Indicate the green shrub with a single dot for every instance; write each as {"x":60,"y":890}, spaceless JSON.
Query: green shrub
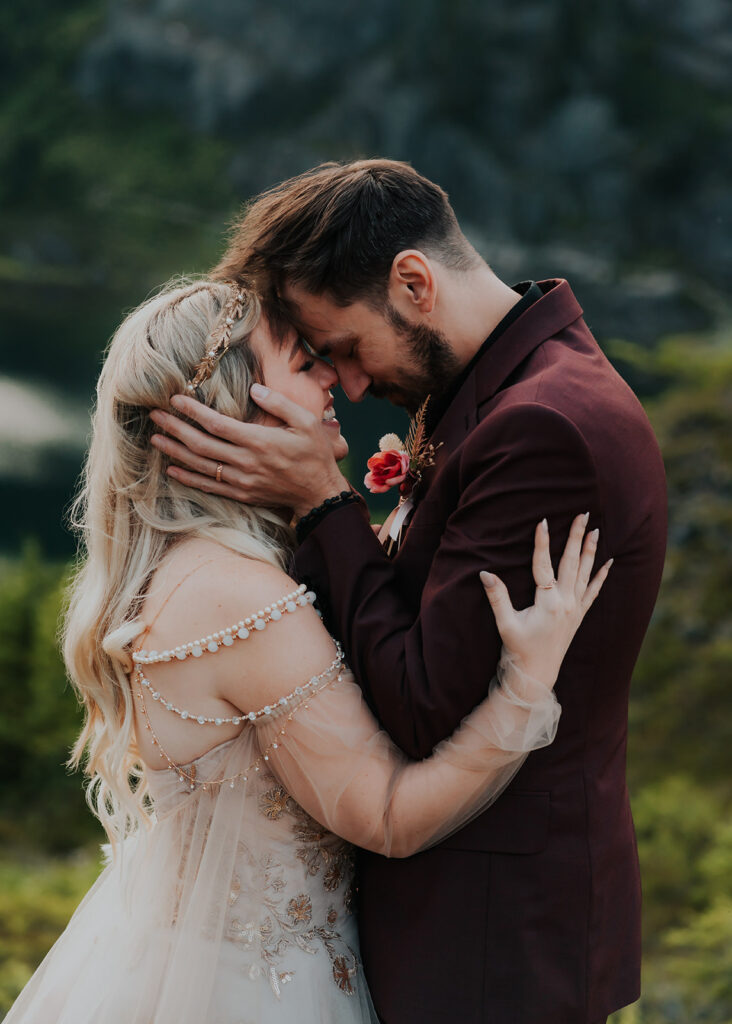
{"x":36,"y":901}
{"x":42,"y":803}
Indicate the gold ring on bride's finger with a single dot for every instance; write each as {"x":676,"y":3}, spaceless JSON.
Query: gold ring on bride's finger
{"x":219,"y":471}
{"x":546,"y":586}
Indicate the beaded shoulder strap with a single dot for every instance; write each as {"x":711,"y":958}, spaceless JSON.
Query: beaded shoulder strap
{"x":288,"y":705}
{"x":212,"y":643}
{"x":240,"y":630}
{"x":268,"y":711}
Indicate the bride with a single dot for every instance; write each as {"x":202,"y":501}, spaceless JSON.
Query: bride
{"x":231,"y":757}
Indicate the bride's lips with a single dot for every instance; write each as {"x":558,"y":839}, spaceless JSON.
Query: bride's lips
{"x":329,"y":416}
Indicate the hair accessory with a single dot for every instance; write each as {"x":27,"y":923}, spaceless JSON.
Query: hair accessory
{"x":218,"y":340}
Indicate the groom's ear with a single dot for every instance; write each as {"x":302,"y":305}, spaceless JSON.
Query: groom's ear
{"x":412,"y":283}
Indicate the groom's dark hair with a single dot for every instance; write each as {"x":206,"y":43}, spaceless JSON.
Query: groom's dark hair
{"x":336,"y":229}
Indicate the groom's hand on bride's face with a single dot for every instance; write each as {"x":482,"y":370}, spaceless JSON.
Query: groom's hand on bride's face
{"x":292,"y":467}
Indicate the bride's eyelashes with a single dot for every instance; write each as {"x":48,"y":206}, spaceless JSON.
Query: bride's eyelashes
{"x":309,"y":361}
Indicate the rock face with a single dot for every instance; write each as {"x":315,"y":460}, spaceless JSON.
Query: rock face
{"x":569,"y":135}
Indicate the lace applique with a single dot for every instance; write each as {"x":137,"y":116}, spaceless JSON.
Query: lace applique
{"x":273,"y":803}
{"x":317,"y":847}
{"x":289,"y":919}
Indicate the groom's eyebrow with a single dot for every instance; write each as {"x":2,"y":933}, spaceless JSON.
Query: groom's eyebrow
{"x":340,"y":342}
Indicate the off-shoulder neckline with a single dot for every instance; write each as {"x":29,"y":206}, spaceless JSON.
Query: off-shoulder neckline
{"x":195,"y":760}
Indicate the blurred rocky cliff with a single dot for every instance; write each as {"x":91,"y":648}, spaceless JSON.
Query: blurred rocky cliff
{"x":583,"y":140}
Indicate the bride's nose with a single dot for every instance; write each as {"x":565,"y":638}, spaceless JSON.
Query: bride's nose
{"x":327,"y":376}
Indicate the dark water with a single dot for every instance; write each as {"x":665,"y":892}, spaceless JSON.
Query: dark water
{"x":36,"y":509}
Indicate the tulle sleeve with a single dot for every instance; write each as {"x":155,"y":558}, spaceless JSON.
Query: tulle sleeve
{"x":334,"y":760}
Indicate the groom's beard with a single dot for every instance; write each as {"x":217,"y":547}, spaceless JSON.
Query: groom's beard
{"x":432,"y":367}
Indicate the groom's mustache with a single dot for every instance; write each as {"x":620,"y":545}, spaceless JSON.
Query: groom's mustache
{"x":405,"y":398}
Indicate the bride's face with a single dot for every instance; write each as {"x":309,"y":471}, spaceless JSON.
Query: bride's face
{"x":303,"y":378}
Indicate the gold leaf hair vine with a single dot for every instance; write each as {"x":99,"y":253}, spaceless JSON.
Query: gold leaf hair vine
{"x":218,"y":340}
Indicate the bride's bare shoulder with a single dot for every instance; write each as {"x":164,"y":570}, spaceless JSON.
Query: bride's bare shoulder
{"x":210,"y":589}
{"x":201,"y":583}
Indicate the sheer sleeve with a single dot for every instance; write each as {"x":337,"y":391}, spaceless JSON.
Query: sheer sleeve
{"x":334,"y":760}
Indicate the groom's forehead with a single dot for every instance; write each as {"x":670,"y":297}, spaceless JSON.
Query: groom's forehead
{"x":324,"y":324}
{"x":304,"y":308}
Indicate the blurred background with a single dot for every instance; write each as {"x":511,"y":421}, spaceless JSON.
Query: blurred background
{"x":576,"y":140}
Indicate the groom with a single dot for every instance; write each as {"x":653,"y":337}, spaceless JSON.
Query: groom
{"x":530,"y":914}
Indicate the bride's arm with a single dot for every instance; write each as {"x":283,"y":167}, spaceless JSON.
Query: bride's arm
{"x":331,"y":756}
{"x":348,"y":775}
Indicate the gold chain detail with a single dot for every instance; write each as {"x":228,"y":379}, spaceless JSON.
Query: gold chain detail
{"x":190,"y":776}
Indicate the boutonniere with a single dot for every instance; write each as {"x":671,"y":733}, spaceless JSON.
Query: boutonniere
{"x":401,"y":463}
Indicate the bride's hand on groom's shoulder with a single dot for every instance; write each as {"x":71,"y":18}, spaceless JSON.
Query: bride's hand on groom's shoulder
{"x":537,"y":638}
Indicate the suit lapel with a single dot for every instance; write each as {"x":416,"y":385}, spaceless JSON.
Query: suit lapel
{"x":555,"y":311}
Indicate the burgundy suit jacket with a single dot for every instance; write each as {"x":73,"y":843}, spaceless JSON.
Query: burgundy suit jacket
{"x":531,"y":913}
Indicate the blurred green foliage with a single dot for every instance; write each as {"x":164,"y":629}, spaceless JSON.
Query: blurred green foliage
{"x":41,"y":804}
{"x":682,"y":683}
{"x":680,"y":741}
{"x":97,"y":203}
{"x":123,"y":169}
{"x":37,"y":898}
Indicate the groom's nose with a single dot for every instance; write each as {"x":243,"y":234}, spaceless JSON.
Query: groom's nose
{"x":353,"y":380}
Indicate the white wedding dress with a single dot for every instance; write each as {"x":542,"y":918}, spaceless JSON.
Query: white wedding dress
{"x":235,"y":907}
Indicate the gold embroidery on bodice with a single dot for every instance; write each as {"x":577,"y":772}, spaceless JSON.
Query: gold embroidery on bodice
{"x":297,"y":912}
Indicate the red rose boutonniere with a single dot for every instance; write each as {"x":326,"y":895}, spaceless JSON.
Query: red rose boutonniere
{"x":388,"y":467}
{"x":400,"y":463}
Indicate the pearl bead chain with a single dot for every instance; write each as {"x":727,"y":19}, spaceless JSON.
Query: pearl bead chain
{"x":250,"y":716}
{"x":301,"y":694}
{"x":238,"y":631}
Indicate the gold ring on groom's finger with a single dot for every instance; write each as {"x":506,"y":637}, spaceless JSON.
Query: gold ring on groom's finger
{"x":546,"y":586}
{"x":219,"y":471}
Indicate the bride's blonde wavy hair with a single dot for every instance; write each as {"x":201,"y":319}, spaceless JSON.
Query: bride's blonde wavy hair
{"x":130,"y":513}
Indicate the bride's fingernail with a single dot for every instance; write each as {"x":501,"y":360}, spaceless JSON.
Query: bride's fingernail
{"x":544,"y":525}
{"x":259,"y":391}
{"x":594,"y":536}
{"x":487,"y":578}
